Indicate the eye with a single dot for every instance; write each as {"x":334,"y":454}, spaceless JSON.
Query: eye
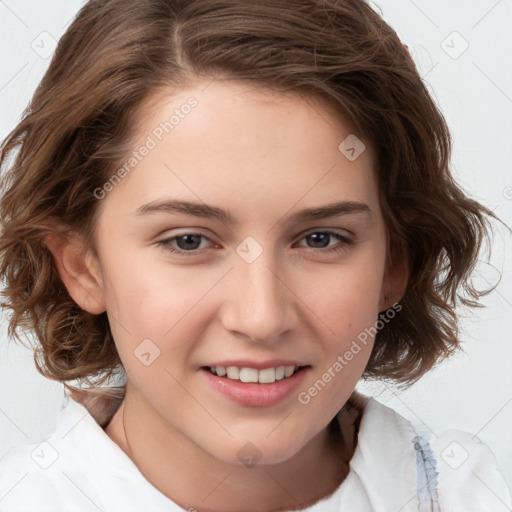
{"x":321,"y":239}
{"x":188,"y":244}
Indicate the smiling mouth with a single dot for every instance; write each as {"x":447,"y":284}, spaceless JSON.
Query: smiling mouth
{"x":252,"y":375}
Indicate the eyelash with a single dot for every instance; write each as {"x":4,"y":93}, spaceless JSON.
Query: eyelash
{"x":347,"y":242}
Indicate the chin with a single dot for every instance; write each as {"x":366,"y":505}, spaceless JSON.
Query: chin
{"x":261,"y":453}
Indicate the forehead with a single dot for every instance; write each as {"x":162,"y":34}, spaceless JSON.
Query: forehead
{"x":238,"y":143}
{"x":237,"y":97}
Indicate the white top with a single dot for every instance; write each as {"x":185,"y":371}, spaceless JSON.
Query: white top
{"x":80,"y":469}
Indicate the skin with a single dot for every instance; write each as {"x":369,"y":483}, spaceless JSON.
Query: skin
{"x":263,"y":156}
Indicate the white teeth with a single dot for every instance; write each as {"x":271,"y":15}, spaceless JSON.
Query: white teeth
{"x":248,"y":375}
{"x":233,"y":372}
{"x":288,"y":370}
{"x":266,"y":376}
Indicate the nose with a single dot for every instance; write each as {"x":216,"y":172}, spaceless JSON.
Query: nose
{"x":258,"y":302}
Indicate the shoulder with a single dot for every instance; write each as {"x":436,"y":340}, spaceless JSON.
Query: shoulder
{"x":78,"y":469}
{"x":469,"y":479}
{"x":397,"y":464}
{"x":24,"y":482}
{"x":49,"y":475}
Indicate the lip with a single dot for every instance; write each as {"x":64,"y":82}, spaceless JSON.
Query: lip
{"x":255,"y":394}
{"x":262,"y":365}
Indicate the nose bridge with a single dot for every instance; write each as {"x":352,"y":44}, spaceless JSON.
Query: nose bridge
{"x":260,"y":301}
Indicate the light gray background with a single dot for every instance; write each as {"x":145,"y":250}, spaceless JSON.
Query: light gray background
{"x":473,"y":87}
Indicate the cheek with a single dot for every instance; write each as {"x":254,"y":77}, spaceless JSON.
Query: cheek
{"x":151,"y":300}
{"x":346,"y":297}
{"x":347,"y":306}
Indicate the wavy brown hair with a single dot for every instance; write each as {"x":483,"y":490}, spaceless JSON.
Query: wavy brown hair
{"x":78,"y":129}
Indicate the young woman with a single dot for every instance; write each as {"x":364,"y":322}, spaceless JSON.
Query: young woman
{"x":242,"y":209}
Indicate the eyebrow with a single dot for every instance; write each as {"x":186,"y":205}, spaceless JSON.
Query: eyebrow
{"x":208,"y":211}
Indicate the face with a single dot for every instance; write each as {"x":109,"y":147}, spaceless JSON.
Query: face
{"x":250,"y":276}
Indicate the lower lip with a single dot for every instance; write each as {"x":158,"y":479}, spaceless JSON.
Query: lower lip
{"x":253,"y":394}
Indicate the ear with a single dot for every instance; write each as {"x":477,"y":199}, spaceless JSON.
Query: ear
{"x":79,"y":270}
{"x":396,"y":276}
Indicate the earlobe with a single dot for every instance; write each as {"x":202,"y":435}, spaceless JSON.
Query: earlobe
{"x":79,"y":270}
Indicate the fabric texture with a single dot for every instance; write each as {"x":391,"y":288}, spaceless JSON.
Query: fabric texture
{"x":393,"y":468}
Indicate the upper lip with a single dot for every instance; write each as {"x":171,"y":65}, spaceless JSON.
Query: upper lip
{"x":258,"y":365}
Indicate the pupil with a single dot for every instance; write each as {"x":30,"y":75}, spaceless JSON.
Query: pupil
{"x":316,"y":236}
{"x":189,"y":238}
